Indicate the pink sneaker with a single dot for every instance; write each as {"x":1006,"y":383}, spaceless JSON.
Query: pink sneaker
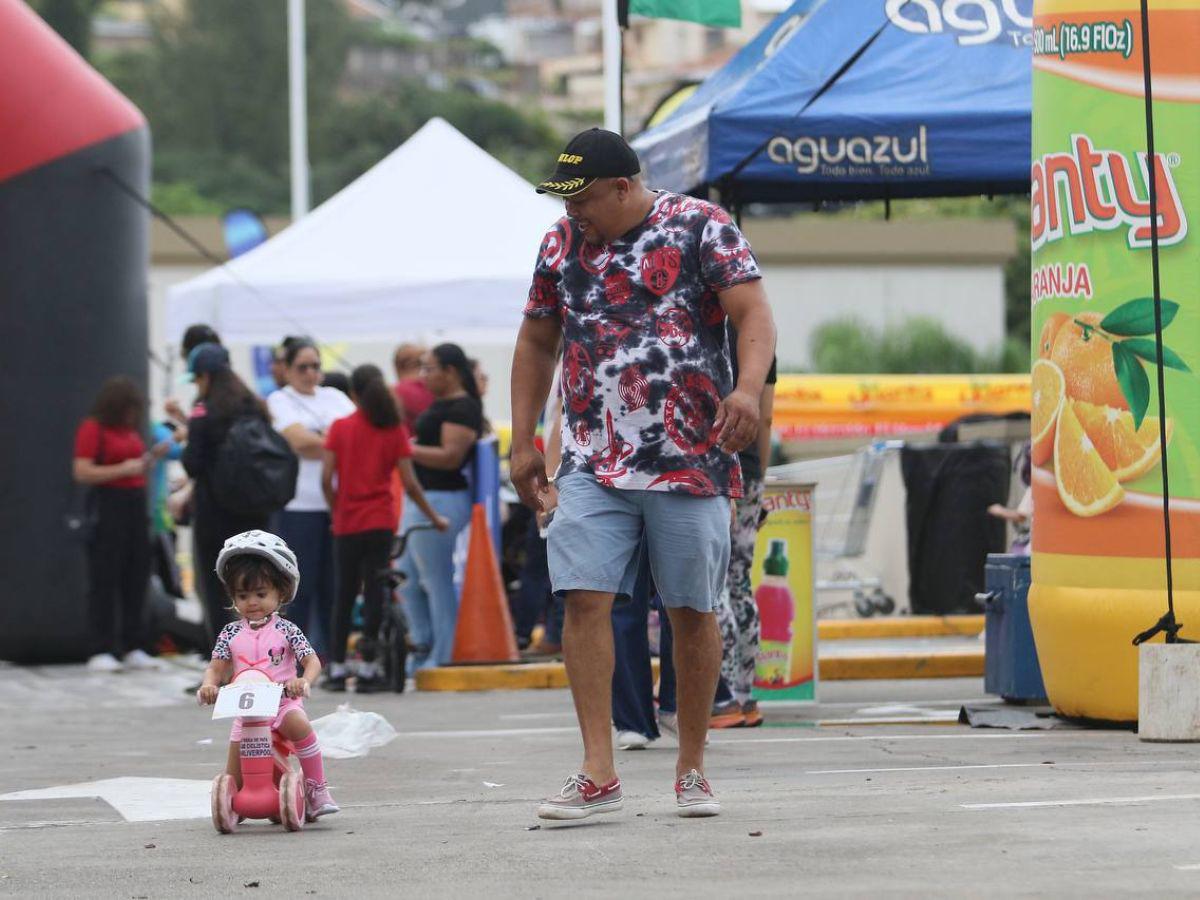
{"x":317,"y":801}
{"x":694,"y":798}
{"x":580,"y":798}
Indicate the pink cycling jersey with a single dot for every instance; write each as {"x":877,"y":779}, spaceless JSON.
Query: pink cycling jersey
{"x":274,"y":649}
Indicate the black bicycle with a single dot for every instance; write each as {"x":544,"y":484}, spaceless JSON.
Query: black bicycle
{"x":394,"y":634}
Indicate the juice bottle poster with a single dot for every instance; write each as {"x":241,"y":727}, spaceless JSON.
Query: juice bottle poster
{"x":1098,"y":538}
{"x":782,"y":583}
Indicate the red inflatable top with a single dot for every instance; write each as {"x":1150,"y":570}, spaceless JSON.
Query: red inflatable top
{"x":52,"y":103}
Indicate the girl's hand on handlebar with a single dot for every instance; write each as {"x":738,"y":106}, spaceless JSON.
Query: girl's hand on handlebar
{"x":207,"y":695}
{"x":296,"y":687}
{"x":441,"y":523}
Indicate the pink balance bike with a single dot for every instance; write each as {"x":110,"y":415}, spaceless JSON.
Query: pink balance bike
{"x":271,"y":788}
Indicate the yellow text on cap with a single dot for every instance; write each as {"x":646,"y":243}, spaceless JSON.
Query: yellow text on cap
{"x":569,"y":158}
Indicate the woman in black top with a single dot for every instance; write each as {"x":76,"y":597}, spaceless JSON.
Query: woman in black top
{"x":223,"y":398}
{"x":445,"y":443}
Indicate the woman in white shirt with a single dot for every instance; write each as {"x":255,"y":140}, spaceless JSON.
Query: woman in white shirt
{"x":302,"y":412}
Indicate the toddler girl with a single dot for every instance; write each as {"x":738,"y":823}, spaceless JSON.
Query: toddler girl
{"x":260,"y":575}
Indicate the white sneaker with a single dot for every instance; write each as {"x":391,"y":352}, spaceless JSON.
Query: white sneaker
{"x":104,"y":662}
{"x":140,"y":660}
{"x":632,"y":740}
{"x":668,"y":723}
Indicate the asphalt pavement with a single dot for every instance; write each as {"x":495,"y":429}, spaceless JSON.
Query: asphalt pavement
{"x":110,"y":776}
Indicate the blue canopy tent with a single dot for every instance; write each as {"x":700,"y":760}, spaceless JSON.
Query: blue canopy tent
{"x":859,"y":100}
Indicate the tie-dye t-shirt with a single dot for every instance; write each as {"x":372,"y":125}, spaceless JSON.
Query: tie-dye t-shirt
{"x":646,"y":361}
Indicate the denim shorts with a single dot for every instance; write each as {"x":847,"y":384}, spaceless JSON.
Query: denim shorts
{"x":597,"y":535}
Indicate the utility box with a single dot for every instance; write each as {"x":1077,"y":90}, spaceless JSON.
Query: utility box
{"x":1011,"y":667}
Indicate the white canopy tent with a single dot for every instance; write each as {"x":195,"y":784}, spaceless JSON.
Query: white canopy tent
{"x":438,"y":237}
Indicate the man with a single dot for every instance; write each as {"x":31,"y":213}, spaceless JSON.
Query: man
{"x":639,"y":285}
{"x":410,"y":388}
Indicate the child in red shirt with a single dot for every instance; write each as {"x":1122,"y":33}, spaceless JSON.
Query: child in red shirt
{"x":363,"y":450}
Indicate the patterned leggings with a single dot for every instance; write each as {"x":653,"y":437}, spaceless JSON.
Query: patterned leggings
{"x":737,"y":613}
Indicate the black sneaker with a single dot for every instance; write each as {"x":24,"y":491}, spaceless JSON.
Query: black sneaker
{"x":370,"y":684}
{"x":334,"y":683}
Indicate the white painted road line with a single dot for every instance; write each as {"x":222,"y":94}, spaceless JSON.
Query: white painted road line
{"x":495,"y":732}
{"x":724,"y":740}
{"x":928,"y":768}
{"x":136,"y":799}
{"x":541,"y":715}
{"x":1098,"y":801}
{"x":878,"y":737}
{"x":1191,"y":867}
{"x":1037,"y":765}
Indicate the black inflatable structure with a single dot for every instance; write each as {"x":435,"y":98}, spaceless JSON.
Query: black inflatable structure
{"x":73,"y":263}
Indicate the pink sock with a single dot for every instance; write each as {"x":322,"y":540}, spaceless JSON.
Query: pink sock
{"x":309,"y":752}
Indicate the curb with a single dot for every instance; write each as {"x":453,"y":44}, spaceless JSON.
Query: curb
{"x":899,"y":627}
{"x":890,"y":666}
{"x":516,"y":677}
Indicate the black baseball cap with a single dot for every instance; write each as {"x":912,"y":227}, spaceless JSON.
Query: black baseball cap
{"x":206,"y":359}
{"x":591,"y":154}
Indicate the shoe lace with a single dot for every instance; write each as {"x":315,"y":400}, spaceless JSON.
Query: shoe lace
{"x":693,"y":779}
{"x":574,"y":783}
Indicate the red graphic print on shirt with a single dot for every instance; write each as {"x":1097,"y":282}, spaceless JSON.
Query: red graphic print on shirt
{"x":578,"y":379}
{"x":674,"y":327}
{"x":690,"y":411}
{"x":660,"y":269}
{"x":634,"y":388}
{"x":594,"y":257}
{"x":617,"y":287}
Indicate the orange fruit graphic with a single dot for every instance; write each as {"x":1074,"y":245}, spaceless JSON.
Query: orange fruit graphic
{"x":1049,"y":333}
{"x":1129,"y":453}
{"x":1086,"y":485}
{"x":1087,"y":362}
{"x":1049,"y":391}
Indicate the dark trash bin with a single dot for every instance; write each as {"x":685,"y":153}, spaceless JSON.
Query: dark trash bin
{"x":1011,"y":667}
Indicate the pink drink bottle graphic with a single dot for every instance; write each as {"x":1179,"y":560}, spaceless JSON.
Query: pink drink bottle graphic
{"x":776,"y":609}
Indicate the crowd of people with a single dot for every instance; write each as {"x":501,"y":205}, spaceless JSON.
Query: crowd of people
{"x":324,"y":464}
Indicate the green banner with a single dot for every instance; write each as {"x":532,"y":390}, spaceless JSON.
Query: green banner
{"x":717,"y":13}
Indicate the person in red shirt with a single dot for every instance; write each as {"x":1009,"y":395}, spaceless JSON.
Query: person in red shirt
{"x":410,"y":388}
{"x":363,"y":450}
{"x":111,"y":460}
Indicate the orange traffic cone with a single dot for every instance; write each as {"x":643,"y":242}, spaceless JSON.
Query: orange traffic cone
{"x":485,"y":628}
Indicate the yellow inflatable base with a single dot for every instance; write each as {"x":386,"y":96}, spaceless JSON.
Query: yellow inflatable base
{"x":1084,"y":640}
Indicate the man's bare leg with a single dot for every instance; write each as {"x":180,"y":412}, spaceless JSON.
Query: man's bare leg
{"x":697,"y":668}
{"x":588,"y":656}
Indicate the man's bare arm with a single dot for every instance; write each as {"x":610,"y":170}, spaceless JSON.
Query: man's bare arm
{"x":532,"y":374}
{"x":748,"y":311}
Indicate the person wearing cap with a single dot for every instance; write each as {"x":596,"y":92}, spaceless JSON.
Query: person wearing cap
{"x":222,"y":399}
{"x":638,"y":286}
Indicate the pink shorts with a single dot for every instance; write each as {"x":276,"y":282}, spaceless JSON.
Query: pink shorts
{"x":286,"y":705}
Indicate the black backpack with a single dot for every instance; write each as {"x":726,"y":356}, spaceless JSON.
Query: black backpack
{"x":256,"y":469}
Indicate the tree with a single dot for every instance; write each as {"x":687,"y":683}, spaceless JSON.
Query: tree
{"x":213,"y":86}
{"x":72,"y":19}
{"x":848,"y":346}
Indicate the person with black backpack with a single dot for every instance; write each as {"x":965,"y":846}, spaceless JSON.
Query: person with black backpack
{"x":243,"y":470}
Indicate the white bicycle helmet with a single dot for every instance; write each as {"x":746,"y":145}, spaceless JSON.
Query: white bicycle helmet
{"x":270,"y":547}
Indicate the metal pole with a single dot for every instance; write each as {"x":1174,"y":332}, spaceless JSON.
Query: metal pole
{"x":298,"y":108}
{"x":611,"y":31}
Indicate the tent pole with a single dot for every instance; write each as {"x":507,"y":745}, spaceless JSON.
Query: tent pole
{"x":614,"y":64}
{"x":297,"y":109}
